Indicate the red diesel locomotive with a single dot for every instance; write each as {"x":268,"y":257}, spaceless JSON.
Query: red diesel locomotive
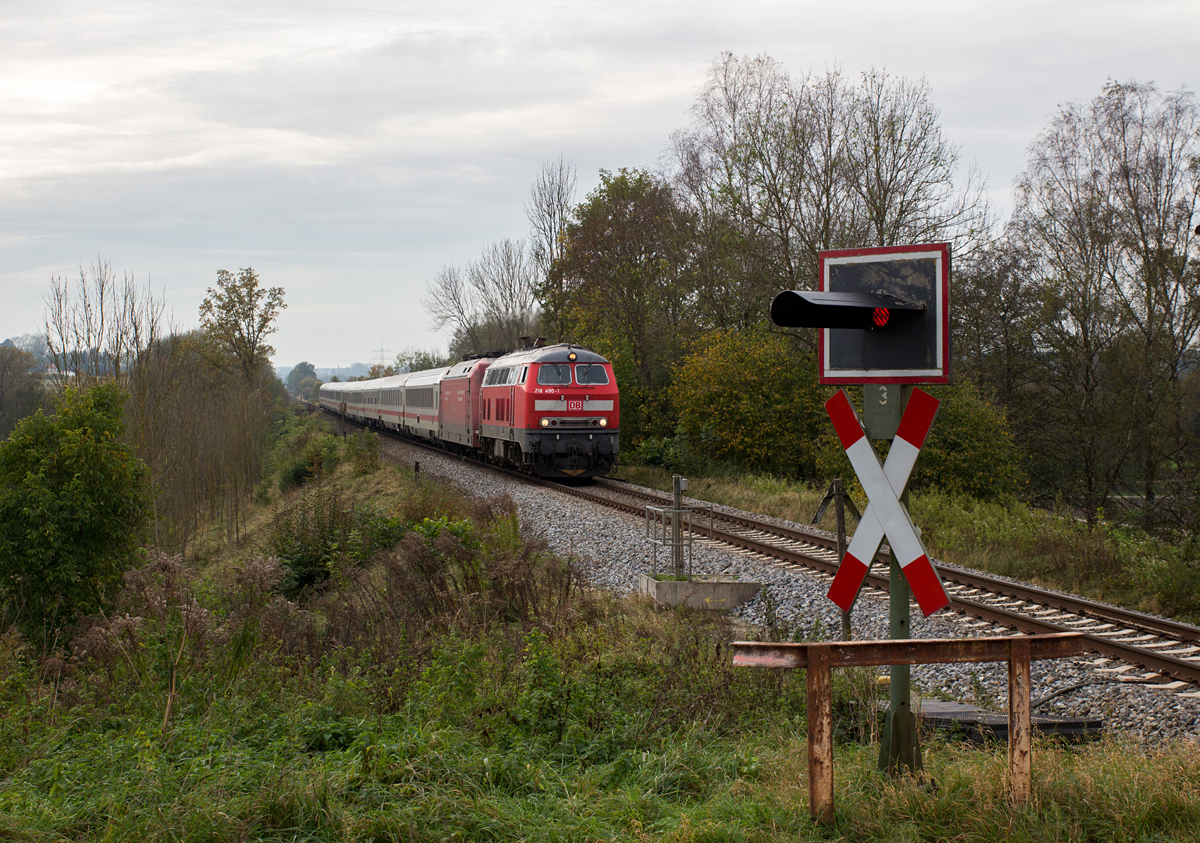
{"x":552,"y":410}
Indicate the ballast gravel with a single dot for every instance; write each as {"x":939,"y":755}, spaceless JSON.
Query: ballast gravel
{"x":610,"y":548}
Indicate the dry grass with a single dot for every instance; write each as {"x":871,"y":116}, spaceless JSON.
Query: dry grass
{"x":793,"y":500}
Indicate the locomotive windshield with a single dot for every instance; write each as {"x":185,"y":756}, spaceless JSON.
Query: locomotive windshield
{"x":590,"y":374}
{"x":554,"y":374}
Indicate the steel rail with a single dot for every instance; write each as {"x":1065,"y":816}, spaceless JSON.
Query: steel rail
{"x":979,"y":580}
{"x":1159,"y":663}
{"x":1162,"y":664}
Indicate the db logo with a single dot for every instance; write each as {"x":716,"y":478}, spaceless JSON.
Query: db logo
{"x":574,"y":405}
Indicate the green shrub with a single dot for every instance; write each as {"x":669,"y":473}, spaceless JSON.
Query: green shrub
{"x":675,"y":454}
{"x":74,"y":506}
{"x":969,"y":451}
{"x":750,"y":398}
{"x":362,"y":448}
{"x":305,"y":447}
{"x":315,"y":533}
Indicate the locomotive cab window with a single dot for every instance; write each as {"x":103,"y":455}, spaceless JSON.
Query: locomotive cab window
{"x":586,"y":374}
{"x":554,"y":374}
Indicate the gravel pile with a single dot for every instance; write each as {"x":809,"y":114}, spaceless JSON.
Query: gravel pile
{"x":610,"y":547}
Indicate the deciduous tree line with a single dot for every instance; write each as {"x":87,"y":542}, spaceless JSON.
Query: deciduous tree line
{"x":1081,"y":318}
{"x":199,"y":404}
{"x":154,"y":434}
{"x":1077,"y":318}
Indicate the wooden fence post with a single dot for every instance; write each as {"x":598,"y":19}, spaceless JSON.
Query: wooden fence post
{"x":820,"y":734}
{"x":1020,"y":727}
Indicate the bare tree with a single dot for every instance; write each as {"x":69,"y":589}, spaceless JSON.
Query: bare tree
{"x":736,"y":169}
{"x":1105,"y":210}
{"x":200,"y":430}
{"x":100,"y":328}
{"x":741,"y":161}
{"x":551,"y":199}
{"x":1151,"y":142}
{"x":903,"y":168}
{"x":491,"y":304}
{"x":450,"y":302}
{"x":504,"y":280}
{"x":794,"y":166}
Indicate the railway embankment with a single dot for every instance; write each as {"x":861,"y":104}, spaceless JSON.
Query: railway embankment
{"x":611,"y":547}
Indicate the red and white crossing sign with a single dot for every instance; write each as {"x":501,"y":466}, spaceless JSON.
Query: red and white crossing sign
{"x":885,"y":514}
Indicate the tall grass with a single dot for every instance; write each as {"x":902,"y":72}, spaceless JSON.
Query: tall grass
{"x":1106,"y":562}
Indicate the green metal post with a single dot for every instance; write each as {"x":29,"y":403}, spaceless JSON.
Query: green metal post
{"x":900,"y":750}
{"x":676,"y":526}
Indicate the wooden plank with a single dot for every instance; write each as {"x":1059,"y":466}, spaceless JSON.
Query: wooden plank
{"x":820,"y":735}
{"x":1020,"y":730}
{"x":907,"y":651}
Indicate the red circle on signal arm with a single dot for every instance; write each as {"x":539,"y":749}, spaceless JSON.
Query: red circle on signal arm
{"x":880,"y":316}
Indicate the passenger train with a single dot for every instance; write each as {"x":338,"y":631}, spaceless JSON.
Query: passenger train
{"x":553,"y":411}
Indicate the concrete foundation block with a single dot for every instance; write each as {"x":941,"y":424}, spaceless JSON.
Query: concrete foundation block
{"x":699,"y":592}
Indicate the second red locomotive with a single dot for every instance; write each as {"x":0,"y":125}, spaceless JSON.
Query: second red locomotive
{"x":551,"y":410}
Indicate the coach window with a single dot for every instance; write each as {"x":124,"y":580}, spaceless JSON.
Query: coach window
{"x":554,"y":374}
{"x":524,"y":372}
{"x":590,"y":374}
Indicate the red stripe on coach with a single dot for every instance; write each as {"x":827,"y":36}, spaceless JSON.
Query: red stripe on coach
{"x":845,"y":422}
{"x":918,"y":418}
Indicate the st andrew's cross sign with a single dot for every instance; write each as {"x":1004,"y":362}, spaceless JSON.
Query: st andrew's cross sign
{"x":885,"y":514}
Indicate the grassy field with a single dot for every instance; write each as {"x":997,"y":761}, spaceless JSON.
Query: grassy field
{"x":1111,"y":563}
{"x":418,"y":669}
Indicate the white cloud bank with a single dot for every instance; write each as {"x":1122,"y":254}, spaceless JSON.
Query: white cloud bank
{"x":346,"y":152}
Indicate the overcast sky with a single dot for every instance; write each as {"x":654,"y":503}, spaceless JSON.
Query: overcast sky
{"x":346,"y":152}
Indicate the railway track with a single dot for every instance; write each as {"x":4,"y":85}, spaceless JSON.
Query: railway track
{"x":1151,"y":650}
{"x":1168,"y":651}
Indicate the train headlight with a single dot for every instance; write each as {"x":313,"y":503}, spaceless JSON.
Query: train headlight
{"x":604,"y":422}
{"x":545,"y":422}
